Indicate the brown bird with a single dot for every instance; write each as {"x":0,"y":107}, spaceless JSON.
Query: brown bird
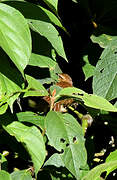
{"x":64,"y":81}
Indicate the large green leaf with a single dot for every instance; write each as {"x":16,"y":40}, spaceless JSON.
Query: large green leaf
{"x":49,"y":31}
{"x":21,"y":175}
{"x":105,"y":76}
{"x":32,"y":139}
{"x":15,"y":36}
{"x":89,"y":100}
{"x":5,"y":175}
{"x":32,"y":11}
{"x":66,"y":135}
{"x":95,"y":173}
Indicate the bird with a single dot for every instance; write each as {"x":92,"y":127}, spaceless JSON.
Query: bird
{"x":64,"y":81}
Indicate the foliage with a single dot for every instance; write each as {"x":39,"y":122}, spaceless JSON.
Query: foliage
{"x":36,"y":140}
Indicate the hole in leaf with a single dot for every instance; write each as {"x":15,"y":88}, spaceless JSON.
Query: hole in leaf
{"x":62,"y":151}
{"x":62,"y":140}
{"x":74,"y":139}
{"x":101,"y":71}
{"x":79,"y":94}
{"x":67,"y":144}
{"x":115,"y":52}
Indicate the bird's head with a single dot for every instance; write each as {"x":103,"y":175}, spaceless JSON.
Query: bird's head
{"x":65,"y":78}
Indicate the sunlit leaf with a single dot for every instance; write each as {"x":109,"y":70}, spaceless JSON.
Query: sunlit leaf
{"x":21,"y":175}
{"x":95,"y":173}
{"x":52,"y":4}
{"x":112,"y":157}
{"x":15,"y":38}
{"x":3,"y":108}
{"x":32,"y":11}
{"x":49,"y":31}
{"x":89,"y":100}
{"x":105,"y":75}
{"x":32,"y":139}
{"x":66,"y":135}
{"x":5,"y":175}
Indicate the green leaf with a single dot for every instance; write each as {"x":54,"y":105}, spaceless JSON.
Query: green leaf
{"x":42,"y":61}
{"x":66,"y":135}
{"x":95,"y":173}
{"x":112,"y":157}
{"x":53,"y":4}
{"x":72,"y":91}
{"x":32,"y":118}
{"x":32,"y":139}
{"x":15,"y":38}
{"x":21,"y":175}
{"x":98,"y":102}
{"x":55,"y":160}
{"x":103,"y":40}
{"x":35,"y":88}
{"x":88,"y":69}
{"x":105,"y":76}
{"x":3,"y":108}
{"x":32,"y":11}
{"x":89,"y":100}
{"x":54,"y":87}
{"x":45,"y":62}
{"x":54,"y":19}
{"x":11,"y":81}
{"x":5,"y":175}
{"x":49,"y":31}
